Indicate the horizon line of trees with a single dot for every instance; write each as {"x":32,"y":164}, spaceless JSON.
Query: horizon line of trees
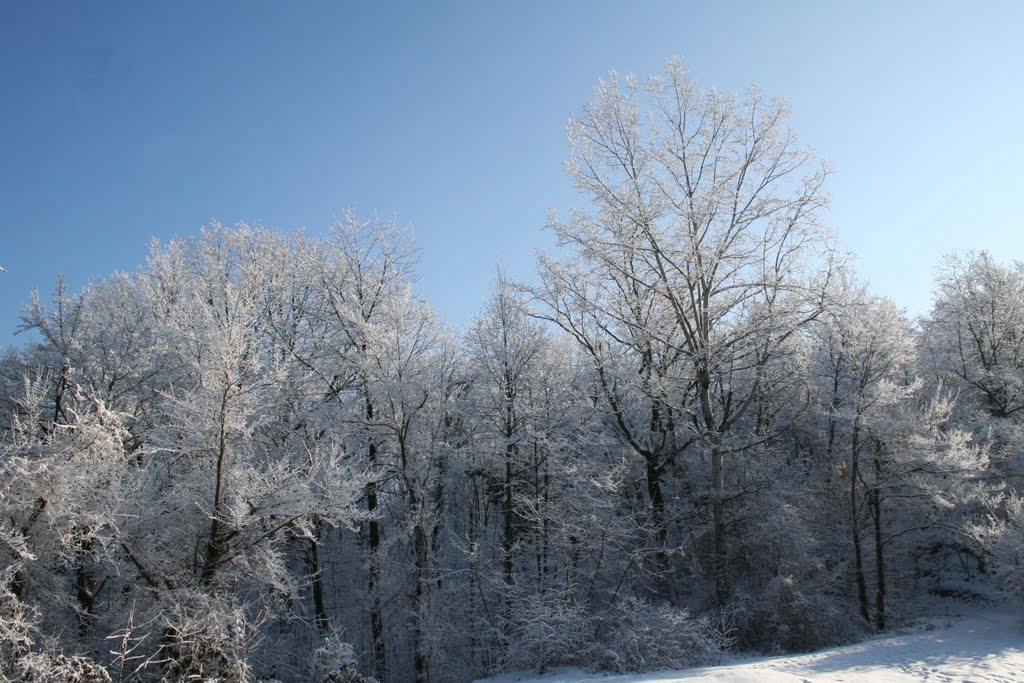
{"x":263,"y":457}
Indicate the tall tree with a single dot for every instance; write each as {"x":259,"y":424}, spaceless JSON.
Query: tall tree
{"x":720,"y":207}
{"x":868,"y":349}
{"x":506,"y":349}
{"x":972,"y":341}
{"x":359,"y":274}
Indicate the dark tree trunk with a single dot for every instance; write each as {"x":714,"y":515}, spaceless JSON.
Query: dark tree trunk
{"x":316,"y":577}
{"x":858,"y":558}
{"x":508,"y":510}
{"x":876,"y":509}
{"x":215,"y":545}
{"x":419,"y":597}
{"x":718,"y":520}
{"x":380,"y":659}
{"x":86,"y":588}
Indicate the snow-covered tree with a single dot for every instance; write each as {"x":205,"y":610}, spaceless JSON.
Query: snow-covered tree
{"x":716,"y":208}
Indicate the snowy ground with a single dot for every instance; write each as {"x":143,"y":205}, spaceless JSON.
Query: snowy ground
{"x":987,"y":647}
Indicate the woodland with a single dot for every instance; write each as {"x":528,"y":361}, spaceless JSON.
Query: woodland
{"x":263,"y":456}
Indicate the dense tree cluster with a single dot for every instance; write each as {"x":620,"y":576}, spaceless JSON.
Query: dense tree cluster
{"x":264,"y":457}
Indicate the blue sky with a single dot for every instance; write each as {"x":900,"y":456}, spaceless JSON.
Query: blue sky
{"x":127,"y":120}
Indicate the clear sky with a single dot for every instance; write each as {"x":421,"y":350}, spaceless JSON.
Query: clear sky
{"x":125,"y":120}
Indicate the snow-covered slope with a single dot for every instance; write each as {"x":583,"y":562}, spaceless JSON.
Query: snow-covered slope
{"x":987,"y":647}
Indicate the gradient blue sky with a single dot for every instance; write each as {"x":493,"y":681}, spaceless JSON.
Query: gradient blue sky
{"x":125,"y":120}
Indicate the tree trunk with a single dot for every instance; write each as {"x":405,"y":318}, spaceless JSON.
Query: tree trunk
{"x":419,"y":596}
{"x":59,"y":413}
{"x":380,"y":659}
{"x":420,"y":555}
{"x":508,"y":536}
{"x":833,"y":410}
{"x":547,"y":521}
{"x":215,"y":544}
{"x":876,"y":509}
{"x":718,"y":521}
{"x":719,"y":559}
{"x":655,"y":493}
{"x":85,"y":587}
{"x":858,"y":559}
{"x":317,"y":581}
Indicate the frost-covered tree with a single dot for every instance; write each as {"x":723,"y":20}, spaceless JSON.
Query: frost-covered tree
{"x":908,"y":473}
{"x":867,"y":348}
{"x":641,"y":382}
{"x":972,"y":342}
{"x":717,"y":208}
{"x":974,"y":333}
{"x":506,"y":349}
{"x":522,"y":466}
{"x":62,"y":493}
{"x":408,"y":372}
{"x":215,"y":479}
{"x":357,"y":275}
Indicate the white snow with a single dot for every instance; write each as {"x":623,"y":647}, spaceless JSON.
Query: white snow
{"x":986,"y":647}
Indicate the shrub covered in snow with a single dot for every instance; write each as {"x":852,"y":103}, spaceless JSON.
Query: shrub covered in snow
{"x":335,"y":662}
{"x":26,"y":655}
{"x":204,"y":638}
{"x":546,"y":632}
{"x":785,"y":618}
{"x":629,"y":635}
{"x":1001,"y":535}
{"x":636,"y":635}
